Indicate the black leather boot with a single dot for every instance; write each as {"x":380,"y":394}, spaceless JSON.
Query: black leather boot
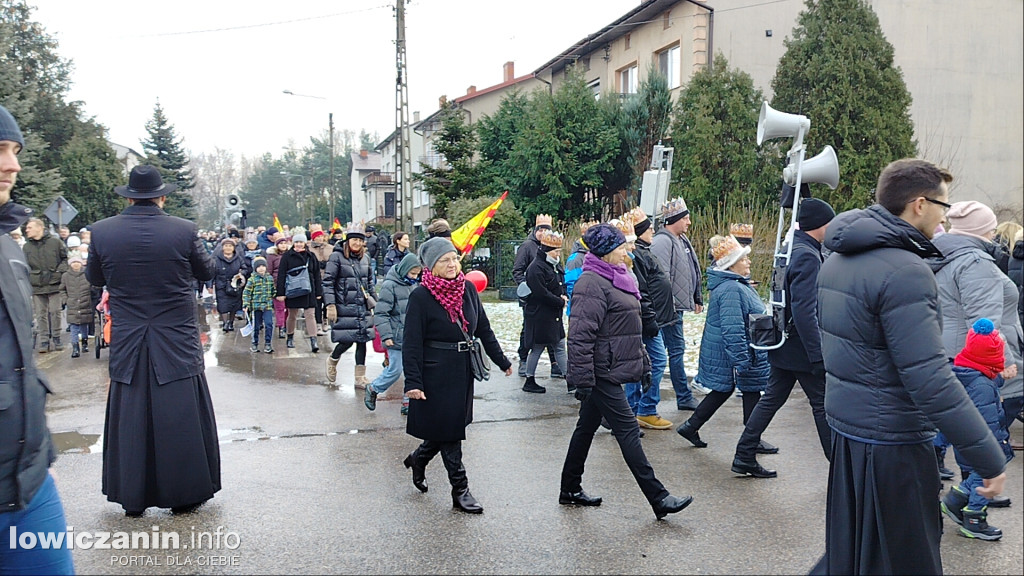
{"x":461,"y":497}
{"x":687,"y":431}
{"x":74,"y":350}
{"x":290,"y":342}
{"x":313,"y":345}
{"x":419,"y":471}
{"x":944,"y":473}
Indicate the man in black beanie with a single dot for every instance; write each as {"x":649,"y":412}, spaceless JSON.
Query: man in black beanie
{"x":799,"y":358}
{"x":29,"y":501}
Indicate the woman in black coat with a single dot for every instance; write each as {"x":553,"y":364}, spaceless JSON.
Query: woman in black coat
{"x":438,"y":374}
{"x":228,"y":282}
{"x":606,"y":351}
{"x":349,"y":300}
{"x":542,"y":315}
{"x":295,"y":262}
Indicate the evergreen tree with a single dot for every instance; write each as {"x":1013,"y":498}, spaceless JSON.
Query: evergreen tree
{"x":564,"y":152}
{"x":497,"y":134}
{"x":458,"y":176}
{"x":642,"y":120}
{"x":91,"y":171}
{"x":163,"y":150}
{"x":717,"y":161}
{"x":838,"y":71}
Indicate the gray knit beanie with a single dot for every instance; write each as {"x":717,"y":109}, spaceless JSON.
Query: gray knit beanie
{"x":9,"y":128}
{"x":432,"y":250}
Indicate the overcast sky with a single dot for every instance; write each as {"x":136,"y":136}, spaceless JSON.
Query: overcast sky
{"x":224,"y":88}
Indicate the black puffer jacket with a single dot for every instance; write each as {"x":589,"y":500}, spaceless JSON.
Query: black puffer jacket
{"x":604,"y":341}
{"x":655,"y":286}
{"x":525,"y":256}
{"x":291,"y":260}
{"x":888,"y":379}
{"x":347,"y":282}
{"x":1015,"y":269}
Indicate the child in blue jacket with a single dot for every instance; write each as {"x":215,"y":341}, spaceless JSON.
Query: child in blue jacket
{"x":980,"y":368}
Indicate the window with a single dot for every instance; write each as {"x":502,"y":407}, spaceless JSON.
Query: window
{"x":668,"y":64}
{"x":627,"y":80}
{"x":424,"y":198}
{"x":389,"y":205}
{"x":628,"y":41}
{"x":666,"y":19}
{"x":595,"y":88}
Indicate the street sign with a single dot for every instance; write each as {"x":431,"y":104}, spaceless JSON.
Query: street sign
{"x":60,"y":211}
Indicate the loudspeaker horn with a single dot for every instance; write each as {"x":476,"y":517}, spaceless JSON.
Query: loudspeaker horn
{"x":822,"y":169}
{"x":233,"y":201}
{"x":774,"y":124}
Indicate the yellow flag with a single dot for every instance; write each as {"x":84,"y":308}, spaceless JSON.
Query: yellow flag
{"x":277,"y":223}
{"x":466,"y":236}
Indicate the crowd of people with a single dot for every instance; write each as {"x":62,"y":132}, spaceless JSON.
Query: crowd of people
{"x":905,"y":336}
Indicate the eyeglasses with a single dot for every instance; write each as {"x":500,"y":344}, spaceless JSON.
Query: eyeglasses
{"x":945,"y":206}
{"x":448,"y":260}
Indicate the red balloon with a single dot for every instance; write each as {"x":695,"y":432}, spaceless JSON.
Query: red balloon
{"x":478,"y":278}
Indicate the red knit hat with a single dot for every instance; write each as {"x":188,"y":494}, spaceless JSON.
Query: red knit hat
{"x":316,"y":235}
{"x":983,"y":350}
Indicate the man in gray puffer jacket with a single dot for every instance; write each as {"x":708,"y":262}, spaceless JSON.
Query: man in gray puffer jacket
{"x":889,"y":384}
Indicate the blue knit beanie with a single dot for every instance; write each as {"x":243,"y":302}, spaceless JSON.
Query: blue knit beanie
{"x":9,"y":128}
{"x":603,"y":238}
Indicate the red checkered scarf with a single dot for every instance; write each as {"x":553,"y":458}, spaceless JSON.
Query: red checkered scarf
{"x":448,"y":294}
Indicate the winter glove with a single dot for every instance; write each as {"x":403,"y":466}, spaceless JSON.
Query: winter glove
{"x":332,"y":314}
{"x":645,"y":382}
{"x":650,"y":330}
{"x":583,"y":394}
{"x":818,"y":369}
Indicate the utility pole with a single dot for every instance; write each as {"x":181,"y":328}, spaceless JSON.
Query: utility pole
{"x":403,"y":162}
{"x":330,"y":189}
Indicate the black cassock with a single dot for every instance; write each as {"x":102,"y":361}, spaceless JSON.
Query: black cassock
{"x":160,"y":437}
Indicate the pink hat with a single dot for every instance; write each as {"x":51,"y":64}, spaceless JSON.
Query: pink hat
{"x":971,"y":218}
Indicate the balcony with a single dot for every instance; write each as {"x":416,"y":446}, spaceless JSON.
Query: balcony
{"x":379,"y":179}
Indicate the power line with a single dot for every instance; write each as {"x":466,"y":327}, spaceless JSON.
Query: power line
{"x":261,"y":25}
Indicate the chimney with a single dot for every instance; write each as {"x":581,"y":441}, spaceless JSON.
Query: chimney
{"x":442,"y":101}
{"x":416,"y":116}
{"x":470,"y":90}
{"x":364,"y":153}
{"x":510,"y":71}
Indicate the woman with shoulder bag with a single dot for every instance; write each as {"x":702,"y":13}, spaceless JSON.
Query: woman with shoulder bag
{"x":727,"y":361}
{"x":349,"y":300}
{"x":298,"y":286}
{"x":442,"y":312}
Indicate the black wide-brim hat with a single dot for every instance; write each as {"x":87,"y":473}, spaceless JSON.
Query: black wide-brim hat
{"x":145,"y":182}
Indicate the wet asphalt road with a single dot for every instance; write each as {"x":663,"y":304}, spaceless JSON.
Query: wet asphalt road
{"x":313,"y":483}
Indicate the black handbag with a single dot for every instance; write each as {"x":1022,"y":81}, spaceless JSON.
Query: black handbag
{"x":296,"y":282}
{"x":478,"y":360}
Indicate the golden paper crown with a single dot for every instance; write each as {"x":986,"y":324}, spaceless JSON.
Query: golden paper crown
{"x":542,"y":220}
{"x":584,"y":226}
{"x":626,"y":227}
{"x":635,"y":215}
{"x":550,"y":238}
{"x":742,"y":230}
{"x":673,"y":207}
{"x":727,"y":251}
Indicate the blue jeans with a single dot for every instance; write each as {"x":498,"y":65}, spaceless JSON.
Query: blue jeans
{"x":392,"y":372}
{"x":79,"y":332}
{"x":262,"y":319}
{"x":44,"y":515}
{"x":675,"y":344}
{"x":647,"y":404}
